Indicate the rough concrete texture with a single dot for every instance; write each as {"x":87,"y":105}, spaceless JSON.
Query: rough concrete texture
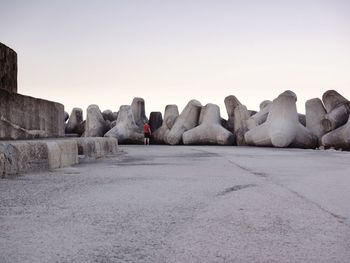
{"x":8,"y":69}
{"x":37,"y":155}
{"x":282,"y":127}
{"x":171,"y":113}
{"x":315,"y":112}
{"x":187,"y":120}
{"x":241,"y":115}
{"x":339,"y":138}
{"x":332,"y":100}
{"x":209,"y":130}
{"x":139,"y":113}
{"x":95,"y":125}
{"x":182,"y":204}
{"x":231,"y":102}
{"x":336,"y":117}
{"x":62,"y":153}
{"x":94,"y":148}
{"x":24,"y":117}
{"x":18,"y":157}
{"x":155,"y":120}
{"x":261,"y":116}
{"x":74,"y":121}
{"x":126,"y":129}
{"x":338,"y":110}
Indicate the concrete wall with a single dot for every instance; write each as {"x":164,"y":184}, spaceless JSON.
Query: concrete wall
{"x":8,"y":69}
{"x":24,"y":117}
{"x":18,"y":157}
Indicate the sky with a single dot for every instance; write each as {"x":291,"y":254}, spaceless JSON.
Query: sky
{"x":169,"y":52}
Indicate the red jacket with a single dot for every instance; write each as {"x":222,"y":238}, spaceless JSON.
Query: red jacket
{"x":146,"y":128}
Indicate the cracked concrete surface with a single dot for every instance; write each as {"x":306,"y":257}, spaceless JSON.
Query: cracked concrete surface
{"x":182,"y":204}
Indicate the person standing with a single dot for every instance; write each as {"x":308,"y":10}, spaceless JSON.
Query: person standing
{"x":146,"y":133}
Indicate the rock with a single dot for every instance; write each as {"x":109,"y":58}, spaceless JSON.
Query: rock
{"x":170,"y":115}
{"x":95,"y":125}
{"x":126,"y":130}
{"x":24,"y":117}
{"x":315,"y":112}
{"x":209,"y":130}
{"x":241,"y":115}
{"x":8,"y":69}
{"x":187,"y":120}
{"x":138,"y":111}
{"x":75,"y":119}
{"x":282,"y":127}
{"x":155,"y":120}
{"x":339,"y":138}
{"x":231,"y":102}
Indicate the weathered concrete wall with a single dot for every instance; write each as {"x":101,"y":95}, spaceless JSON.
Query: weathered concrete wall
{"x":18,"y":157}
{"x":24,"y":117}
{"x":97,"y":147}
{"x":8,"y":69}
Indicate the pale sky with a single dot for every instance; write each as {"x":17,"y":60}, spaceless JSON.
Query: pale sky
{"x":168,"y":52}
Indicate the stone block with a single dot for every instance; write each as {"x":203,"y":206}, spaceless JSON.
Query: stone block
{"x":97,"y":147}
{"x":62,"y":153}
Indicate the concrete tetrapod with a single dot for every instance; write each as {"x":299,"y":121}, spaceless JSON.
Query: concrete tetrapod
{"x":75,"y":118}
{"x":315,"y":112}
{"x":338,"y":110}
{"x":126,"y":130}
{"x":209,"y":130}
{"x":282,"y":128}
{"x":95,"y":125}
{"x":187,"y":120}
{"x":231,"y":102}
{"x":155,"y":120}
{"x":138,"y":111}
{"x":170,"y":115}
{"x":339,"y":138}
{"x":260,"y":117}
{"x":241,"y":115}
{"x":108,"y":115}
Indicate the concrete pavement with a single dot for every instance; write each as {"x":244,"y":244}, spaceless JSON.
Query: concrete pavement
{"x":182,"y":204}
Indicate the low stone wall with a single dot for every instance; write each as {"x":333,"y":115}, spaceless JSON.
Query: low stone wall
{"x":8,"y":69}
{"x":24,"y":117}
{"x":18,"y":157}
{"x":96,"y":147}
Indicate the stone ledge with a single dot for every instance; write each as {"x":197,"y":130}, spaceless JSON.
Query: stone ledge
{"x":96,"y":147}
{"x":18,"y":157}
